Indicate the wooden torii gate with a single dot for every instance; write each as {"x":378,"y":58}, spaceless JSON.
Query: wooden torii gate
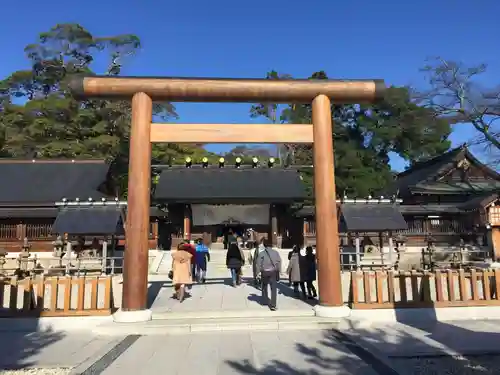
{"x":144,"y":90}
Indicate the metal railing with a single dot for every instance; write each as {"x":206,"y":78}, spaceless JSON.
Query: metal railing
{"x":453,"y":259}
{"x":430,"y":259}
{"x":77,"y":266}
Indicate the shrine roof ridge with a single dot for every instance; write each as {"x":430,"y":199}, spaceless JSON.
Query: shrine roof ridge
{"x":229,"y":166}
{"x":51,"y":161}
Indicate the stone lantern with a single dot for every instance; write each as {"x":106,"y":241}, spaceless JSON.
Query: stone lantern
{"x":400,"y":243}
{"x":23,"y":258}
{"x":463,"y":253}
{"x":3,"y":254}
{"x":428,"y":252}
{"x":59,"y":252}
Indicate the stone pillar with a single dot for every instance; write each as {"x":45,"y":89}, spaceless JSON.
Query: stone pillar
{"x":495,"y":243}
{"x":391,"y":251}
{"x":135,"y":272}
{"x":327,"y":234}
{"x":69,"y":251}
{"x":154,"y":226}
{"x":357,"y":244}
{"x":274,"y":226}
{"x":304,"y":232}
{"x":187,"y":223}
{"x":104,"y":251}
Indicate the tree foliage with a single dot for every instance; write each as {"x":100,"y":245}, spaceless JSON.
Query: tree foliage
{"x":247,"y":153}
{"x":39,"y":118}
{"x":365,"y":135}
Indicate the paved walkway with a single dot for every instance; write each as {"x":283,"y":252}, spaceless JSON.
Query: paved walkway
{"x":287,"y":353}
{"x":53,"y":352}
{"x":239,"y":353}
{"x":451,"y":348}
{"x":458,"y":347}
{"x":469,"y":347}
{"x":218,"y":295}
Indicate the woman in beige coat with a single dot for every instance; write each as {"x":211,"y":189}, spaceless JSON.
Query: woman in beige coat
{"x":181,"y":271}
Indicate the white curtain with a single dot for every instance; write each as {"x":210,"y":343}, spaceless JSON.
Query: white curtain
{"x":251,"y":214}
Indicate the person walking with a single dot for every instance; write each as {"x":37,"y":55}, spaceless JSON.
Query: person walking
{"x":255,"y":258}
{"x":202,"y":259}
{"x":234,"y":262}
{"x":181,"y":271}
{"x":269,"y":263}
{"x":308,"y":265}
{"x":230,"y":238}
{"x":290,"y":253}
{"x":191,"y":250}
{"x":294,"y":271}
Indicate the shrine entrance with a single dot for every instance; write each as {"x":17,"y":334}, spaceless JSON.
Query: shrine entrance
{"x":144,"y":91}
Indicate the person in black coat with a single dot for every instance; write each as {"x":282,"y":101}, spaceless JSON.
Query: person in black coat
{"x":308,"y":271}
{"x":234,"y":261}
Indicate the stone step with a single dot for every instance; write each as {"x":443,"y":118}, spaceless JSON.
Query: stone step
{"x":184,"y":326}
{"x":230,"y":314}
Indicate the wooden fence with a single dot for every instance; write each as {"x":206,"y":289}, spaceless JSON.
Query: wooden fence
{"x":451,"y":288}
{"x":55,"y":296}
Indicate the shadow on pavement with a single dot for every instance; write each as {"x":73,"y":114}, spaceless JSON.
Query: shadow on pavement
{"x":22,"y":342}
{"x":331,"y":356}
{"x":286,"y":291}
{"x":470,"y":345}
{"x":154,"y":289}
{"x":409,"y":347}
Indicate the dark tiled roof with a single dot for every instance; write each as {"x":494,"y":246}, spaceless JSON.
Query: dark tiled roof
{"x":474,"y":187}
{"x":473,"y":203}
{"x":480,"y":201}
{"x":371,"y":218}
{"x":431,"y":166}
{"x":429,"y":209}
{"x":156,"y":212}
{"x":89,"y":220}
{"x":45,"y":182}
{"x":229,"y":184}
{"x":51,"y":212}
{"x":422,"y":176}
{"x":306,"y":211}
{"x":364,"y":217}
{"x":35,"y":212}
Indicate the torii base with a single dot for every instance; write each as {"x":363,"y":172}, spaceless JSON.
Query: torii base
{"x":136,"y":316}
{"x":332,"y":311}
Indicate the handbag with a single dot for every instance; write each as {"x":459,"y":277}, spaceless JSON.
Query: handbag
{"x":171,"y":275}
{"x":274,"y":265}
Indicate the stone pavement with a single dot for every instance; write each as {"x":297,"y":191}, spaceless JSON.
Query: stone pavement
{"x":464,"y":347}
{"x":218,"y":295}
{"x":51,"y":350}
{"x":239,"y":353}
{"x":453,"y":348}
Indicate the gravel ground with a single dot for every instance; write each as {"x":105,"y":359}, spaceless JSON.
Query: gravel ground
{"x":37,"y":371}
{"x":468,"y":365}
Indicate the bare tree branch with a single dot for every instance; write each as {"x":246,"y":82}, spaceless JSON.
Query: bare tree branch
{"x":456,"y":95}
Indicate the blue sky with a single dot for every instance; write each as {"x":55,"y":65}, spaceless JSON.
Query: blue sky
{"x":348,"y":39}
